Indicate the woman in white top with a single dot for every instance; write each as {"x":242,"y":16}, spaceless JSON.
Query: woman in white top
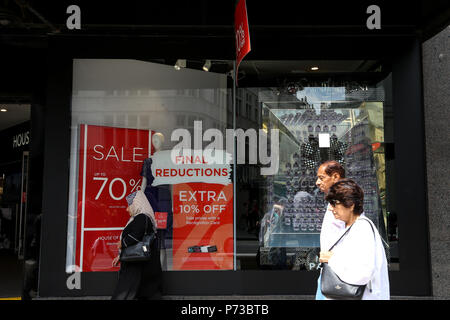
{"x":359,"y":257}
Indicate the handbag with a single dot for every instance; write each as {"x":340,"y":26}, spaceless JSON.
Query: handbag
{"x":333,"y":287}
{"x":139,"y":251}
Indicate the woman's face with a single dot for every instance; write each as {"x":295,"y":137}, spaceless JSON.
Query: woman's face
{"x":342,"y":213}
{"x":129,"y":210}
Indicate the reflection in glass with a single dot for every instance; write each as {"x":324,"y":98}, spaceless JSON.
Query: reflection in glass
{"x":293,"y":207}
{"x":146,"y":96}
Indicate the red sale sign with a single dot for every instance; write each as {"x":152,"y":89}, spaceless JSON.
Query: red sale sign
{"x":110,"y":163}
{"x":242,"y":33}
{"x":203,"y":226}
{"x":161,"y":220}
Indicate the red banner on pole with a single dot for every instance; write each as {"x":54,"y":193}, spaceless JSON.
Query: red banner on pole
{"x":242,"y":33}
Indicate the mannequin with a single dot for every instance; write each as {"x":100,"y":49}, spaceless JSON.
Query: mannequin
{"x":159,"y":197}
{"x":157,"y":142}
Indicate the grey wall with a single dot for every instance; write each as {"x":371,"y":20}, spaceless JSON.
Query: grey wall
{"x":436,"y":85}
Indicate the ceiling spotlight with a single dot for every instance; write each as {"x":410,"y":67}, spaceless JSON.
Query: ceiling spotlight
{"x":4,"y":22}
{"x":207,"y":65}
{"x":314,"y":68}
{"x":3,"y":110}
{"x":7,"y":18}
{"x":181,"y":63}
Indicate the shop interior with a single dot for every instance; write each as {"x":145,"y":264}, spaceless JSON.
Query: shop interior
{"x":14,"y":171}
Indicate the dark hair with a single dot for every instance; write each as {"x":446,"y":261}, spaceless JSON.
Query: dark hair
{"x":333,"y":166}
{"x":347,"y":192}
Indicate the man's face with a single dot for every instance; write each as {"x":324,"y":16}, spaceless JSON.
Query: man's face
{"x":324,"y":181}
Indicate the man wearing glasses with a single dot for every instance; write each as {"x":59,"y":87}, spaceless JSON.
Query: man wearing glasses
{"x":328,"y":174}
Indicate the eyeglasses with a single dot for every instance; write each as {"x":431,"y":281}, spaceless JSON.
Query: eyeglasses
{"x":334,"y":202}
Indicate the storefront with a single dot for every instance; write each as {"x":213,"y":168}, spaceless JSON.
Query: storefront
{"x":14,"y":171}
{"x":245,"y":218}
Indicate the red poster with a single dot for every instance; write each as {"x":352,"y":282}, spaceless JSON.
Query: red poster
{"x":110,"y":163}
{"x":203,"y":226}
{"x":242,"y":33}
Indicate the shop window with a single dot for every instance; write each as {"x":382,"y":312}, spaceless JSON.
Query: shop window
{"x":114,"y":121}
{"x":279,"y":217}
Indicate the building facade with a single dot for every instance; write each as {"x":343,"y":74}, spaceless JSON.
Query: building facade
{"x":313,"y":88}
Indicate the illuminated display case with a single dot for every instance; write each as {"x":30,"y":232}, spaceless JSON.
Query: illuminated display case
{"x":318,"y":124}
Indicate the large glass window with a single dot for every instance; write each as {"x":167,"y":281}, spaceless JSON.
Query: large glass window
{"x":233,"y":214}
{"x":339,"y":112}
{"x":119,"y":109}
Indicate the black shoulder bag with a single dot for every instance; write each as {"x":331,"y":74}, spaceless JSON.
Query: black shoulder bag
{"x":139,"y":251}
{"x":333,"y":287}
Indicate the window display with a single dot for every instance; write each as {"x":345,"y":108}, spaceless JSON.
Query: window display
{"x":122,"y":137}
{"x":318,"y":124}
{"x":125,"y":129}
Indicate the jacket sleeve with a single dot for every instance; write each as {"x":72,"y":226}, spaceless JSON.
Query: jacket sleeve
{"x":135,"y":231}
{"x":354,"y":259}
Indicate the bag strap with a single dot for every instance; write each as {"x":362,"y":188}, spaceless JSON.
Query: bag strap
{"x":369,"y":284}
{"x":363,"y":218}
{"x":370,"y":281}
{"x":146,"y":224}
{"x":384,"y":241}
{"x":320,"y":265}
{"x":385,"y":244}
{"x":340,"y":238}
{"x":368,"y":221}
